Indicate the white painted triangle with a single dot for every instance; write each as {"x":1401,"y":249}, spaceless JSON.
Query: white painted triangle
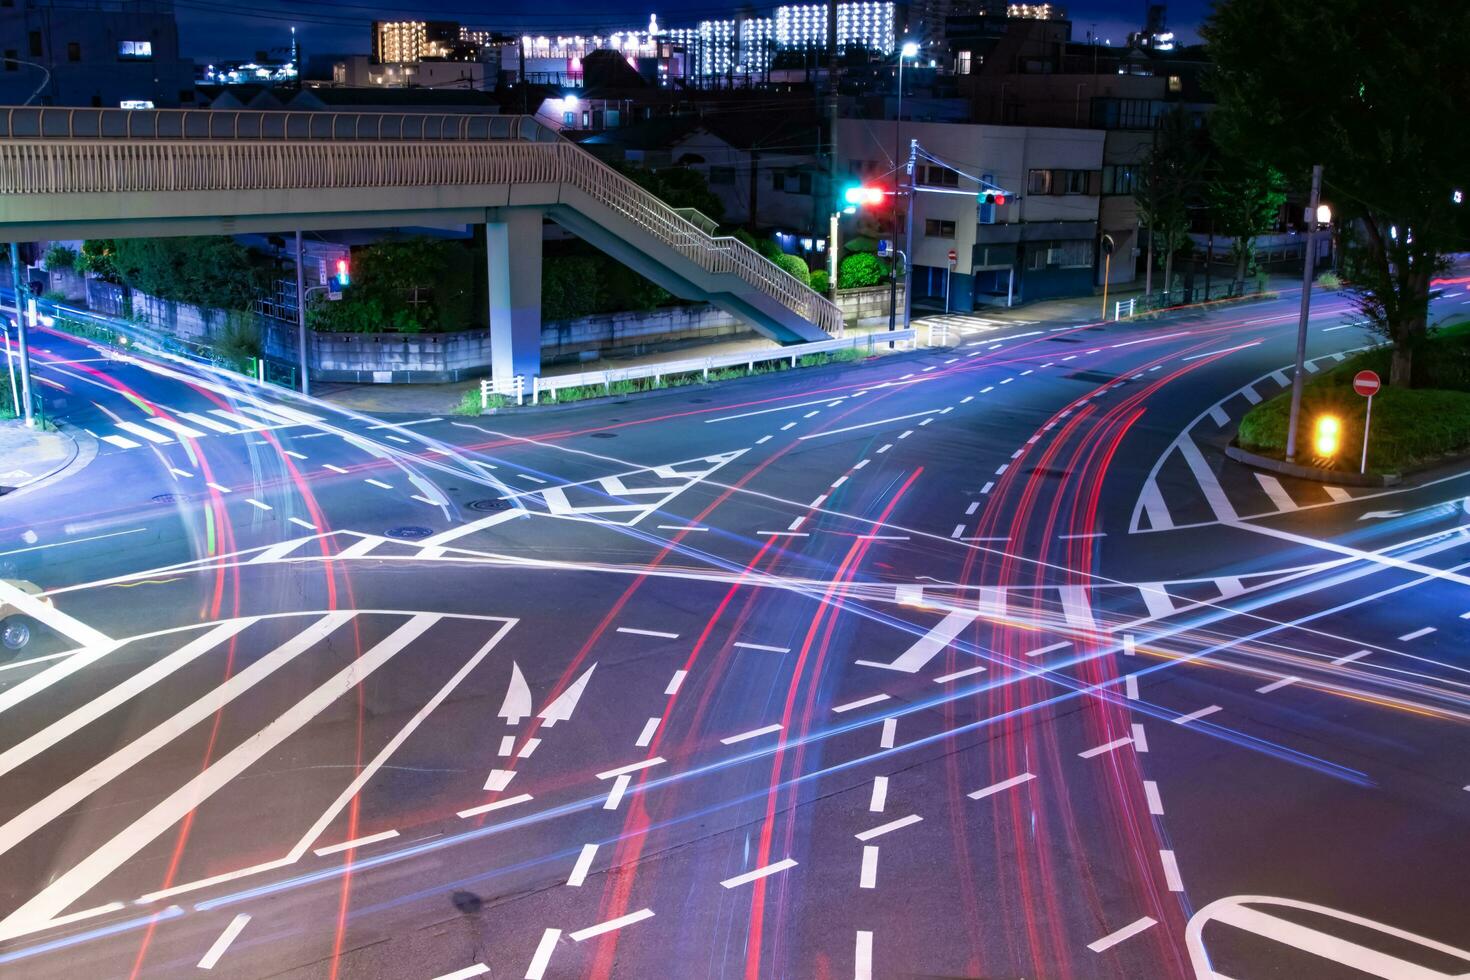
{"x":561,"y":709}
{"x":517,"y":704}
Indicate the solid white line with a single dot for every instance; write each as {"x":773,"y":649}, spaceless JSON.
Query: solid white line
{"x":1196,"y":715}
{"x":380,"y":483}
{"x":474,"y":970}
{"x":754,"y":733}
{"x":631,"y":767}
{"x":1151,"y":793}
{"x":868,"y":876}
{"x":867,"y":425}
{"x":863,"y":703}
{"x":542,"y":957}
{"x":638,"y":632}
{"x":967,"y":672}
{"x":223,"y":942}
{"x":583,"y":865}
{"x":761,"y":646}
{"x":256,"y":503}
{"x":475,"y":811}
{"x":615,"y":795}
{"x":758,"y":873}
{"x":1001,"y":786}
{"x":1106,"y":747}
{"x":682,"y":527}
{"x":348,"y":845}
{"x":612,"y":924}
{"x":1127,"y":932}
{"x":784,"y":534}
{"x":879,"y":799}
{"x":675,"y":681}
{"x":1416,"y":634}
{"x":1227,"y":350}
{"x":888,"y":827}
{"x":646,"y":736}
{"x":1048,"y":649}
{"x":1277,"y":685}
{"x":1171,"y":871}
{"x":862,"y":958}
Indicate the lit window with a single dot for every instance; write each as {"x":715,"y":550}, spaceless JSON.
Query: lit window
{"x":135,"y":50}
{"x":962,"y":63}
{"x":135,"y":104}
{"x":1175,"y":85}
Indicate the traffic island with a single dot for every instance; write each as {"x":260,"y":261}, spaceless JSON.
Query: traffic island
{"x":1411,"y":428}
{"x":28,"y":456}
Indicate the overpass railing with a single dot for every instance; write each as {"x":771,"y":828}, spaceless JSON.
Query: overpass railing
{"x":109,"y":166}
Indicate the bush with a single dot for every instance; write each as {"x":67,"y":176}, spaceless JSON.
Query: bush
{"x":861,"y":269}
{"x":238,"y":343}
{"x":212,"y":271}
{"x":1329,"y":281}
{"x":820,"y":281}
{"x":570,"y":287}
{"x":795,"y":265}
{"x":97,"y":258}
{"x":59,"y":256}
{"x":54,"y":296}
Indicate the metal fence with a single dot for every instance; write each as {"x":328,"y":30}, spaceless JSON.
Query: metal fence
{"x":519,"y":386}
{"x":55,"y":122}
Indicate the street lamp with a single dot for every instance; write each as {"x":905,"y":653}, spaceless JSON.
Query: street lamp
{"x":909,"y":49}
{"x":1316,"y":211}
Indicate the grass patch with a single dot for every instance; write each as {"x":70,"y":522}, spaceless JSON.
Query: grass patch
{"x":1410,"y":425}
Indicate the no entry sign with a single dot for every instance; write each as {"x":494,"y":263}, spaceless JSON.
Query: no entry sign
{"x":953,"y":255}
{"x":1366,"y":383}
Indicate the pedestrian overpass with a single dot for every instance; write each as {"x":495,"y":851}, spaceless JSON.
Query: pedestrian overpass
{"x":114,"y":173}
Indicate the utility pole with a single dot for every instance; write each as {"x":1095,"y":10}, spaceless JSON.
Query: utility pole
{"x":20,"y":329}
{"x":908,"y":237}
{"x":1301,"y":328}
{"x":301,"y":317}
{"x":834,"y":228}
{"x":897,"y":152}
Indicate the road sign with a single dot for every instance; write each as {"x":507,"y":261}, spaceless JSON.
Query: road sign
{"x":885,"y":248}
{"x":953,"y":256}
{"x":1366,"y":383}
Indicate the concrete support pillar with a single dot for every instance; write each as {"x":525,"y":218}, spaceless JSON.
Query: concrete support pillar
{"x":513,"y":265}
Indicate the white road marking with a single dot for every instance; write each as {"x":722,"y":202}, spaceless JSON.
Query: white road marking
{"x":293,"y":454}
{"x":1157,"y":600}
{"x":239,"y":421}
{"x":1416,"y":634}
{"x":583,"y":865}
{"x":641,"y":632}
{"x":974,"y":506}
{"x":767,"y":411}
{"x":300,"y":523}
{"x":1129,"y":645}
{"x":473,"y":970}
{"x":987,"y":487}
{"x":967,"y":672}
{"x":1130,"y":686}
{"x":1350,"y":658}
{"x":1000,"y":470}
{"x":796,"y":523}
{"x":763,"y":440}
{"x":257,"y":504}
{"x":333,"y":468}
{"x":1209,"y":484}
{"x":890,"y":729}
{"x":1127,"y":932}
{"x":528,"y":748}
{"x":1196,"y":715}
{"x":612,"y":925}
{"x":959,"y":529}
{"x":566,"y":702}
{"x":1140,"y":740}
{"x":348,"y":845}
{"x":498,"y":779}
{"x":868,"y":876}
{"x":475,"y":811}
{"x":675,"y":681}
{"x":1276,"y":492}
{"x":122,"y":442}
{"x":644,"y":737}
{"x":517,"y":702}
{"x":758,"y":873}
{"x":1277,"y":685}
{"x":615,"y":795}
{"x":1171,"y":871}
{"x":380,"y":484}
{"x":885,"y":447}
{"x":141,"y":432}
{"x":1218,"y":414}
{"x":788,"y":425}
{"x":541,"y":959}
{"x":930,"y":645}
{"x":176,"y":427}
{"x":1151,"y":793}
{"x":862,"y":703}
{"x":868,"y":425}
{"x":879,"y":799}
{"x":1338,"y":494}
{"x":889,"y":827}
{"x":1227,"y":350}
{"x":862,"y":957}
{"x":753,"y":733}
{"x":632,"y":767}
{"x":1001,"y":786}
{"x":223,"y":942}
{"x":761,"y":646}
{"x":1076,"y":610}
{"x":1251,"y":395}
{"x":1105,"y":748}
{"x":1154,"y":506}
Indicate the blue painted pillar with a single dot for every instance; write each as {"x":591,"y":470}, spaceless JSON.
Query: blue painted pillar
{"x":513,"y":265}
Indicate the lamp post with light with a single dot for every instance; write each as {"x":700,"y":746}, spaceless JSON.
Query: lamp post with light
{"x":908,"y":50}
{"x":1317,"y":214}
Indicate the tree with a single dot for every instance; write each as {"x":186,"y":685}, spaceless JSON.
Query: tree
{"x":1245,"y":199}
{"x":1372,"y":92}
{"x":410,"y":286}
{"x":96,"y":259}
{"x":1168,"y":182}
{"x":679,"y":187}
{"x":210,"y":271}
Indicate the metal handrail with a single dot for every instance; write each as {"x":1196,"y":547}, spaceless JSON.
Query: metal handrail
{"x":104,"y":165}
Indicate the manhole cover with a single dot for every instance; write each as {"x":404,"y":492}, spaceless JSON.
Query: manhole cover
{"x":489,"y":503}
{"x":170,"y":498}
{"x":602,"y":435}
{"x":700,"y":401}
{"x":1093,"y":377}
{"x":1049,"y":471}
{"x":1065,"y":340}
{"x":409,"y":531}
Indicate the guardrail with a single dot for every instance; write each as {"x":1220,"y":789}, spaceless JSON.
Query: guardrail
{"x":108,"y":166}
{"x":1122,"y":305}
{"x":519,"y":386}
{"x":55,"y":122}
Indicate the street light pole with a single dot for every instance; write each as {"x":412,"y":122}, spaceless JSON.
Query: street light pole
{"x":20,"y":330}
{"x":908,"y":238}
{"x":907,"y":50}
{"x":301,"y":318}
{"x":1297,"y":378}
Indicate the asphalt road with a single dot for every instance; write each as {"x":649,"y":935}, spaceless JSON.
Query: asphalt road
{"x":975,"y":661}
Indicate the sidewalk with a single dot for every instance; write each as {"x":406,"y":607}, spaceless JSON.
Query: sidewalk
{"x":30,"y":455}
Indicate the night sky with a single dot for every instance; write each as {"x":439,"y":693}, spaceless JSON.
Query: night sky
{"x":215,"y":30}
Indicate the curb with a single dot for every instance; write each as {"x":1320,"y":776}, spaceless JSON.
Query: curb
{"x":83,"y":451}
{"x":1233,"y":451}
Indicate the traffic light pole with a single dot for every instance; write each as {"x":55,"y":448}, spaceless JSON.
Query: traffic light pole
{"x":908,"y":239}
{"x":301,"y":318}
{"x":20,"y":330}
{"x":1297,"y":376}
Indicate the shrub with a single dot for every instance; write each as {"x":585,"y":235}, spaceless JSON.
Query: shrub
{"x":238,"y":343}
{"x":1329,"y":281}
{"x":795,"y":265}
{"x":59,"y":256}
{"x":861,"y":269}
{"x":571,"y":287}
{"x":820,"y":281}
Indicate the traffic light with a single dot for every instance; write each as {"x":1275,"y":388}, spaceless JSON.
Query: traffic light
{"x":1327,"y":436}
{"x":343,"y":276}
{"x":862,"y":195}
{"x":992,"y":197}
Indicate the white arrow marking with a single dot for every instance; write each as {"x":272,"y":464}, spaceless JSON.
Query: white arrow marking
{"x":561,"y":709}
{"x":517,"y":704}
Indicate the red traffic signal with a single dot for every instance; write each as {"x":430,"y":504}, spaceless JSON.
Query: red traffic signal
{"x":992,"y":197}
{"x":863,"y":195}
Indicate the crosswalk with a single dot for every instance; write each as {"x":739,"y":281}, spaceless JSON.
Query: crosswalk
{"x":628,"y":498}
{"x":968,"y":325}
{"x":161,"y":430}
